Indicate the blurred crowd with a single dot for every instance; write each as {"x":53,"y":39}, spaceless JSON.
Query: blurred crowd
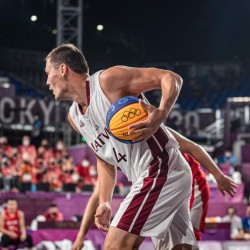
{"x":28,"y":167}
{"x":240,"y":226}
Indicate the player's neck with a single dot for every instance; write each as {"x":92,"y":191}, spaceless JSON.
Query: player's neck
{"x":79,"y":94}
{"x":11,"y":212}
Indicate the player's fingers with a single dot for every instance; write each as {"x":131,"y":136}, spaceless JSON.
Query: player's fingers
{"x":223,"y":192}
{"x":234,"y":184}
{"x":232,"y":193}
{"x":142,"y":137}
{"x":103,"y":227}
{"x":137,"y":125}
{"x":138,"y":131}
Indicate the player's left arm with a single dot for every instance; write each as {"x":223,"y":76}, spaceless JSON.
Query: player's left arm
{"x":107,"y":179}
{"x":225,"y":184}
{"x":23,"y":234}
{"x":120,"y":81}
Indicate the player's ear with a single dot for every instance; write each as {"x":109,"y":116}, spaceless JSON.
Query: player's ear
{"x":63,"y":69}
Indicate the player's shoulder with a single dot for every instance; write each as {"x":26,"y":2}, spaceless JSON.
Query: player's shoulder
{"x":3,"y":213}
{"x":20,"y":213}
{"x":120,"y":72}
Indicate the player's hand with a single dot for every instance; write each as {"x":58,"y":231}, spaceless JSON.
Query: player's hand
{"x":148,"y":127}
{"x":103,"y":216}
{"x":227,"y":185}
{"x":78,"y":244}
{"x":23,"y":237}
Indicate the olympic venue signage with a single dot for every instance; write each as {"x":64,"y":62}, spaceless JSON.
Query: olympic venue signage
{"x":23,"y":111}
{"x":187,"y":119}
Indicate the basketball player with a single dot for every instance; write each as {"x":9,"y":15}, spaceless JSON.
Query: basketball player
{"x":12,"y":226}
{"x":200,"y":189}
{"x":199,"y":199}
{"x":160,"y":175}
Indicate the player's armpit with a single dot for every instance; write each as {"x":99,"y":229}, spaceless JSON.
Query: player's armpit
{"x":72,"y":124}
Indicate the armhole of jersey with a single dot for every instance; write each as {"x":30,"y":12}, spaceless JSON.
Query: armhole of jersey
{"x":98,"y":85}
{"x":73,"y":113}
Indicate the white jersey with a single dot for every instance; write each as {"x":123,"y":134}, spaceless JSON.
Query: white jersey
{"x":132,"y":159}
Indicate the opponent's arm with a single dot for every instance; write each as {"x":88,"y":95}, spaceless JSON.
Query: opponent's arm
{"x":88,"y":218}
{"x":120,"y":81}
{"x":107,"y":178}
{"x":225,"y":184}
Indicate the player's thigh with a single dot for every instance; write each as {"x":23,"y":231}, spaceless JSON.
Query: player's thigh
{"x":118,"y":239}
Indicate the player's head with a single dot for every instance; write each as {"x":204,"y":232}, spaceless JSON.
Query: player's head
{"x":53,"y":209}
{"x":61,"y":62}
{"x":11,"y":205}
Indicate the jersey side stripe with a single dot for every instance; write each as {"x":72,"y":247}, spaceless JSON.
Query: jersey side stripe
{"x":142,"y":203}
{"x":159,"y":182}
{"x":162,"y":137}
{"x":88,"y":92}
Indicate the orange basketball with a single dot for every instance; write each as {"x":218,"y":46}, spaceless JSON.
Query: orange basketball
{"x":124,"y":112}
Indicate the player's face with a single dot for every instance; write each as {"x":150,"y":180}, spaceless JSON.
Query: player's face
{"x":55,"y":81}
{"x":12,"y":206}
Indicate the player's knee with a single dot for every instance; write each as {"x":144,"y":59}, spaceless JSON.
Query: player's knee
{"x":110,"y":245}
{"x":113,"y":244}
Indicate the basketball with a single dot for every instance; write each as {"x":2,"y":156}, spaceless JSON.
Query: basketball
{"x":122,"y":113}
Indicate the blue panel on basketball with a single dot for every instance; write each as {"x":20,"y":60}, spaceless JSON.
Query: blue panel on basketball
{"x":122,"y":113}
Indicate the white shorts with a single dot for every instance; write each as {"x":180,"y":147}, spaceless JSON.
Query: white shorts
{"x":158,"y":202}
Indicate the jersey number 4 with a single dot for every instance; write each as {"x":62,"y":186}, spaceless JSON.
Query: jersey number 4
{"x":119,"y":157}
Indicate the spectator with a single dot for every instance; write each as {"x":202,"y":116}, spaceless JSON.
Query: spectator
{"x":25,"y":170}
{"x":15,"y":157}
{"x":227,"y":158}
{"x":69,"y":173}
{"x":5,"y":147}
{"x":93,"y":174}
{"x":227,"y":162}
{"x":52,"y":175}
{"x":48,"y":152}
{"x":53,"y":213}
{"x":28,"y":148}
{"x":59,"y":150}
{"x":12,"y":226}
{"x":236,"y":223}
{"x":246,"y":221}
{"x":83,"y":169}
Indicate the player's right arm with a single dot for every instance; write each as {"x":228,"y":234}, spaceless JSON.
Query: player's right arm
{"x":73,"y":124}
{"x":107,"y":178}
{"x":120,"y":81}
{"x":225,"y":184}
